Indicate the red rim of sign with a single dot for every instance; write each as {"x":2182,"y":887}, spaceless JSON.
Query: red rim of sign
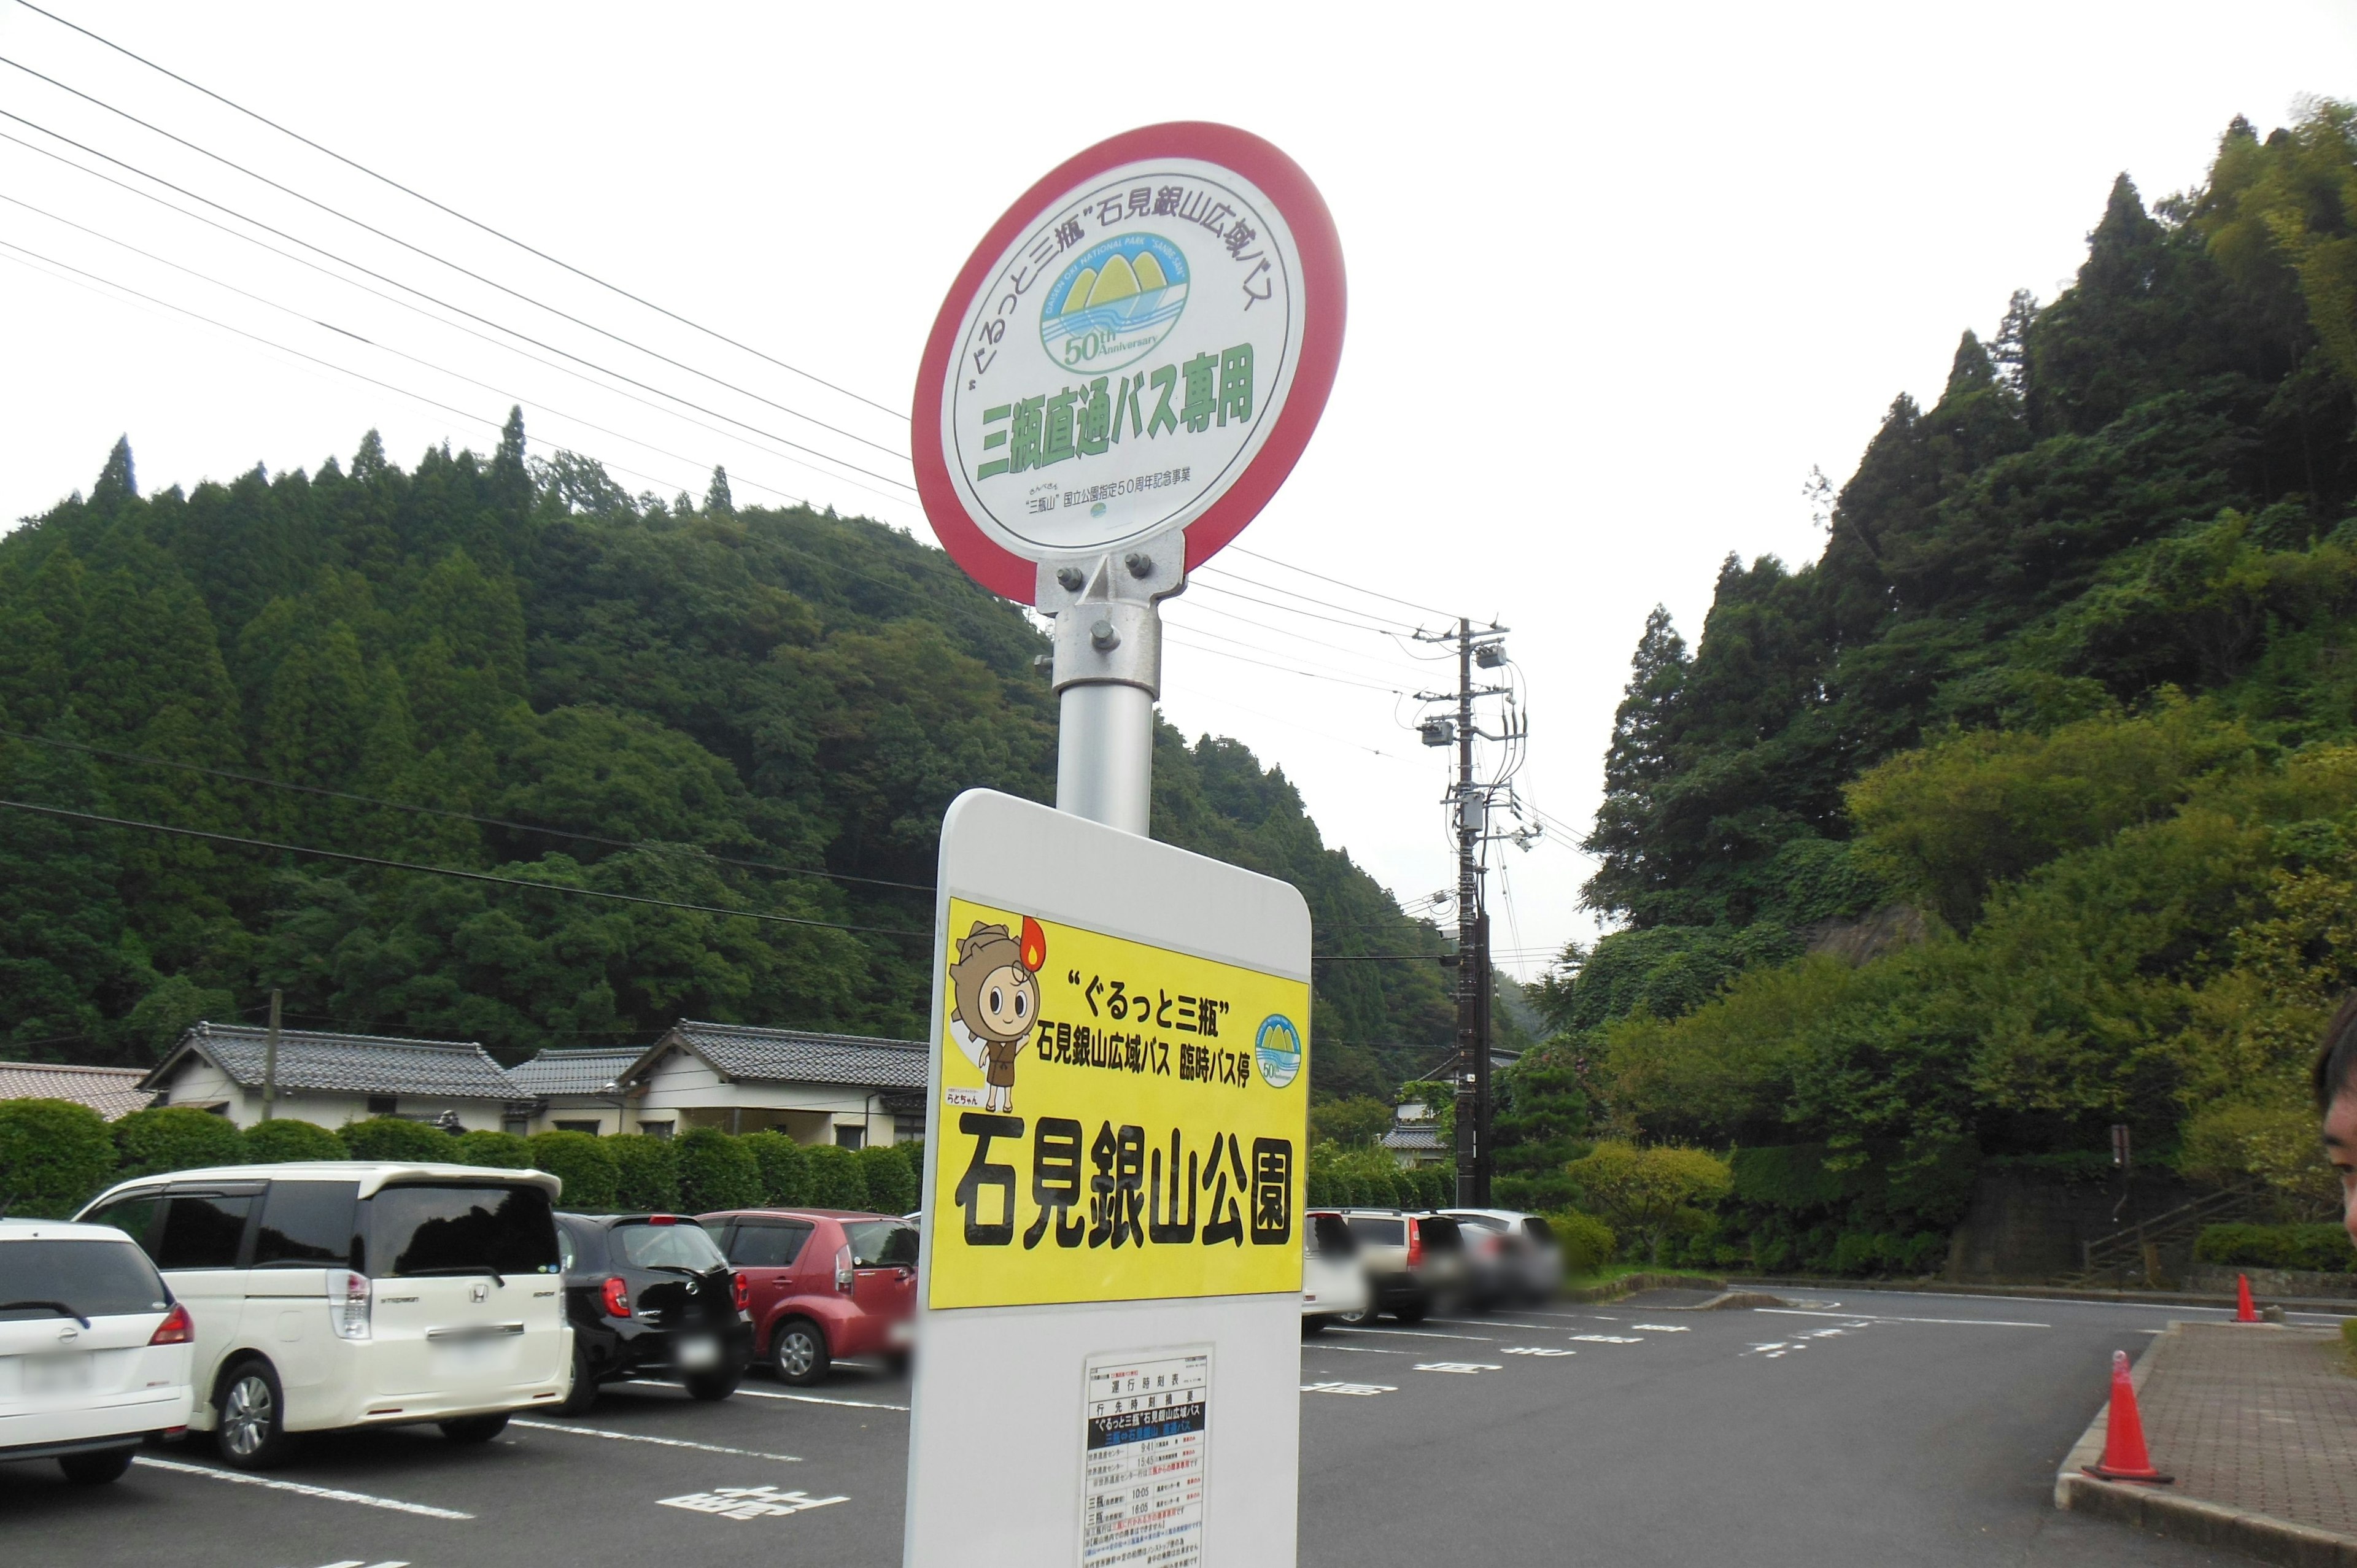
{"x":1297,"y":200}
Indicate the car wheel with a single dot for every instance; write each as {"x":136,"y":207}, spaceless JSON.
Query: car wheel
{"x":250,"y":1417}
{"x":475,"y":1428}
{"x":95,"y":1469}
{"x":1367,"y":1314}
{"x":797,"y":1352}
{"x":1315,"y":1323}
{"x":713,"y":1385}
{"x":583,"y":1392}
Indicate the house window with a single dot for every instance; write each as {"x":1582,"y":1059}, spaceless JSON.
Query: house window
{"x":656,"y":1129}
{"x":850,"y":1137}
{"x":518,"y":1125}
{"x":592,"y":1128}
{"x":384,"y":1105}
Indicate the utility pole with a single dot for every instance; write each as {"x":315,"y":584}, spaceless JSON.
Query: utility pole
{"x":1469,"y":802}
{"x":270,"y":1063}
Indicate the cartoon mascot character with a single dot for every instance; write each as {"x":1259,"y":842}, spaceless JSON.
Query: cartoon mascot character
{"x":996,"y":986}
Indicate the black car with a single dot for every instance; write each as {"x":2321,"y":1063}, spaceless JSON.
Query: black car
{"x":650,"y":1294}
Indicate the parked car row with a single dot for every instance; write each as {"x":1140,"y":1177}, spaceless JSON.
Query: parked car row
{"x":260,"y":1302}
{"x":1360,"y":1264}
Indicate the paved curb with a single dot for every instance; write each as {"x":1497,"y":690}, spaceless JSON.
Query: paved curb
{"x":2335,"y":1307}
{"x":2164,"y":1512}
{"x":1630,"y":1284}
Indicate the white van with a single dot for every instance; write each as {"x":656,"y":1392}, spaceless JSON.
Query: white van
{"x":355,"y":1293}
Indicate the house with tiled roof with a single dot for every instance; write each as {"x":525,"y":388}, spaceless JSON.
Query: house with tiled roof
{"x":817,"y":1088}
{"x":111,"y":1091}
{"x":332,"y":1078}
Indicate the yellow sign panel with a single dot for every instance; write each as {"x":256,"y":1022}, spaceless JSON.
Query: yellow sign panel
{"x":1117,"y":1121}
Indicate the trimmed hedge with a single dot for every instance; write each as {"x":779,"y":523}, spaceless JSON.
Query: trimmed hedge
{"x":583,"y":1162}
{"x":54,"y":1157}
{"x":282,"y":1138}
{"x":1586,"y":1242}
{"x":174,"y":1138}
{"x":502,"y":1151}
{"x":716,"y":1170}
{"x":646,"y":1173}
{"x":392,"y":1138}
{"x":835,"y":1180}
{"x":784,"y":1168}
{"x":2321,"y":1249}
{"x":891,"y":1184}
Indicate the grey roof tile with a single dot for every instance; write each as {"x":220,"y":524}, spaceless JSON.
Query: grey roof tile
{"x":575,"y":1071}
{"x":800,"y":1055}
{"x":351,"y":1064}
{"x":111,"y":1091}
{"x":1413,"y":1139}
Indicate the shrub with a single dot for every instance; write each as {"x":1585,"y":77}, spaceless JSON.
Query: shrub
{"x":783,"y":1168}
{"x":646,"y":1172}
{"x":891,"y":1184}
{"x":282,"y":1138}
{"x":583,"y":1162}
{"x":1586,"y":1242}
{"x":393,"y":1138}
{"x":54,"y":1154}
{"x":2323,"y":1249}
{"x":1642,"y":1192}
{"x":502,"y":1151}
{"x":835,"y":1180}
{"x":174,"y":1138}
{"x":716,"y":1170}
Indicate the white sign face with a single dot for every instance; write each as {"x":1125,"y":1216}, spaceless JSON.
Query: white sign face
{"x":1126,"y":359}
{"x":1146,"y":1419}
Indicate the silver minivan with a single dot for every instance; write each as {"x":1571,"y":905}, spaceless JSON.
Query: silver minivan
{"x":356,"y":1293}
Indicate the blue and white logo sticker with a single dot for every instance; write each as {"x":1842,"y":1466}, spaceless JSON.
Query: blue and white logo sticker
{"x":1116,"y":300}
{"x":1278,"y":1050}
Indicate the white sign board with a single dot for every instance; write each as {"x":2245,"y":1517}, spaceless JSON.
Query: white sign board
{"x":1108,"y":1345}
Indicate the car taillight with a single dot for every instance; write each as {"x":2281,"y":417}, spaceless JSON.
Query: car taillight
{"x":616,"y":1294}
{"x":744,"y":1291}
{"x":662,"y":1218}
{"x":1415,"y":1245}
{"x":844,"y":1278}
{"x":176,"y":1328}
{"x":350,"y":1304}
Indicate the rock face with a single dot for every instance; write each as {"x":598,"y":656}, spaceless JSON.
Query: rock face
{"x":1855,"y":943}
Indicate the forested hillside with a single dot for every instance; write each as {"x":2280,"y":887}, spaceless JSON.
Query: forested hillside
{"x":2030,"y":806}
{"x":514,"y":668}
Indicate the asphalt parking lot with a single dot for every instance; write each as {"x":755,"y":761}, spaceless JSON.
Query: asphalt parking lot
{"x":1857,"y":1428}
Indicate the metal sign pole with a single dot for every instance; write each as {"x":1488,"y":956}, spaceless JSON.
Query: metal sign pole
{"x":1108,"y":673}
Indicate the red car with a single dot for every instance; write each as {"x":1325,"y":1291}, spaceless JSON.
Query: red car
{"x":822,"y":1285}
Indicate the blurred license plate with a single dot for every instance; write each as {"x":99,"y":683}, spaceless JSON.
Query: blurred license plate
{"x":62,"y":1374}
{"x":695,"y":1355}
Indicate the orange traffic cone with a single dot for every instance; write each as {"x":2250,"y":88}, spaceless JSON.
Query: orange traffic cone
{"x":2243,"y":1310}
{"x":2125,"y":1458}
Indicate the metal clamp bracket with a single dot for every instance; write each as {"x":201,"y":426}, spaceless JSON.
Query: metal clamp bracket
{"x":1108,"y":631}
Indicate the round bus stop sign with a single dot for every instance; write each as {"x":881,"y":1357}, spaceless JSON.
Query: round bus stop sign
{"x":1142,"y":343}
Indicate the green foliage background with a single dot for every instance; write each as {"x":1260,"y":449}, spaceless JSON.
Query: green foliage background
{"x":708,"y":692}
{"x":2030,"y":806}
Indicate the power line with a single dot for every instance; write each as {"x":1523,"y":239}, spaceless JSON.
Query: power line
{"x":145,"y":760}
{"x":1304,"y":598}
{"x":1306,"y":571}
{"x":471,"y":316}
{"x":1322,"y":664}
{"x":601,"y":282}
{"x":1264,"y":624}
{"x":1284,"y":669}
{"x":451,"y":871}
{"x":1271,"y":604}
{"x":463,"y":271}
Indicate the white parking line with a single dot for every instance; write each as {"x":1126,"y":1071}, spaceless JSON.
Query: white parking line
{"x":780,"y":1394}
{"x":1412,"y":1333}
{"x":1363,"y":1349}
{"x":659,"y":1442}
{"x":1364,"y":1391}
{"x":326,"y":1494}
{"x":1466,"y":1369}
{"x":1874,"y":1318}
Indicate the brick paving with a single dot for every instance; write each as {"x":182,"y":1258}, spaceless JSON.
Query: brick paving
{"x":2256,"y":1417}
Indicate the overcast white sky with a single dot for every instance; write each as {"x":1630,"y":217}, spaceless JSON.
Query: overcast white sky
{"x":1619,"y":276}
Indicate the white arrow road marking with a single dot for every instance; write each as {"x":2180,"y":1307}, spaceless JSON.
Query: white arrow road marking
{"x":1535,"y":1350}
{"x":1469,"y":1368}
{"x":644,"y":1437}
{"x":327,"y":1494}
{"x":1363,"y":1389}
{"x":778,"y":1395}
